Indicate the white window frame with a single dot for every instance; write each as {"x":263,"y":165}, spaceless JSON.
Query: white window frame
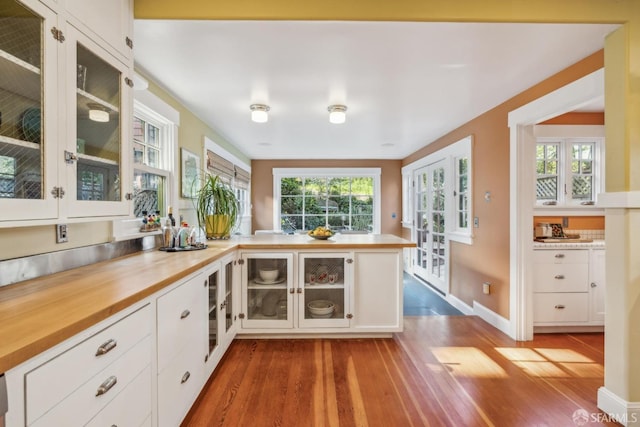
{"x":245,"y":220}
{"x":565,"y":136}
{"x":150,"y":107}
{"x":459,"y":149}
{"x":374,"y":173}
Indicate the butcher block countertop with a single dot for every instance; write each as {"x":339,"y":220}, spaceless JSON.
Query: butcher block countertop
{"x":37,"y":314}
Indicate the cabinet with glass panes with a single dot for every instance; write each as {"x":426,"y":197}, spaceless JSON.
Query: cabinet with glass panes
{"x":62,"y":103}
{"x":267,"y":290}
{"x":326,"y":285}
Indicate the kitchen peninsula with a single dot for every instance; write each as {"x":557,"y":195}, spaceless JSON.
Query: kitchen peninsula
{"x":148,"y":315}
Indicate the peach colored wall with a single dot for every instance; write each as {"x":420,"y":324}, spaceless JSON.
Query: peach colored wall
{"x":576,"y":119}
{"x":390,"y":182}
{"x":487,"y":259}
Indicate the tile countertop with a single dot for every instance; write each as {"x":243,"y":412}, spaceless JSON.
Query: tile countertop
{"x":39,"y":313}
{"x":595,"y":244}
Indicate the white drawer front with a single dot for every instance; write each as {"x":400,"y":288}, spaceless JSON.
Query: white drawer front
{"x":561,"y":278}
{"x":560,"y":308}
{"x":180,"y":320}
{"x":84,"y":403}
{"x":560,"y":256}
{"x":52,"y":382}
{"x":131,"y":407}
{"x":178,"y":387}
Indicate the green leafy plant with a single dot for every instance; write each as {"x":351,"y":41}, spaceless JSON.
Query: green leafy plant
{"x":217,"y":207}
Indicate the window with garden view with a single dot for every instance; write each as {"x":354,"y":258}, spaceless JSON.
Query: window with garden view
{"x":343,"y":203}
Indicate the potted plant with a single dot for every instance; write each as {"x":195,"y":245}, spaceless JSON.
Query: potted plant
{"x":217,"y":207}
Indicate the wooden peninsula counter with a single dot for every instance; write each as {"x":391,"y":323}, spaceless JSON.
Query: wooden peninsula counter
{"x":148,"y":314}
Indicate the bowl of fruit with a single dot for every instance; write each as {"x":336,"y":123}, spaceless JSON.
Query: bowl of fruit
{"x":321,"y":233}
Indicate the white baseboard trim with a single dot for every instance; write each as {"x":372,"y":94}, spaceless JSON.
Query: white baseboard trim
{"x":617,"y":409}
{"x":492,"y":318}
{"x":459,"y":304}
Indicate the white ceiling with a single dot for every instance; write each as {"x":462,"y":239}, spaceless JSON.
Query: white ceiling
{"x":405,"y":84}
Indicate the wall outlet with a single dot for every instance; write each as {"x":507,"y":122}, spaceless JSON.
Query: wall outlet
{"x":61,"y":233}
{"x":486,"y":288}
{"x":476,"y":222}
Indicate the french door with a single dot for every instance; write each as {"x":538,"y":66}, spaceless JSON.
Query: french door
{"x":430,"y":225}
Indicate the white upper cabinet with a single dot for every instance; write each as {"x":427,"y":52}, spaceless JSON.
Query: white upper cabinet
{"x":111,"y":22}
{"x":28,"y":142}
{"x":65,"y":107}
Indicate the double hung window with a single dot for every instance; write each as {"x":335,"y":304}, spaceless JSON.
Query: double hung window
{"x":152,"y":148}
{"x":568,"y":171}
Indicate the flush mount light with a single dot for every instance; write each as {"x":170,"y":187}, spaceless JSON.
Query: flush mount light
{"x":259,"y":113}
{"x":337,"y":113}
{"x":98,"y":113}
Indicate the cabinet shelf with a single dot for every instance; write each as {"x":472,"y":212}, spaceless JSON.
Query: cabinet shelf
{"x":86,"y":98}
{"x":96,"y":161}
{"x":15,"y":70}
{"x":267,"y":287}
{"x":6,"y":141}
{"x":324,"y":286}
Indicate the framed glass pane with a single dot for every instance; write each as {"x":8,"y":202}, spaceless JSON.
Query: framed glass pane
{"x":291,"y":205}
{"x":148,"y":193}
{"x":290,"y":186}
{"x":547,"y":188}
{"x":582,"y":187}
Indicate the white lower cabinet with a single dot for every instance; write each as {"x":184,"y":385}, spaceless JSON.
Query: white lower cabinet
{"x":321,"y":292}
{"x":181,"y":348}
{"x":83,"y":377}
{"x":568,"y":287}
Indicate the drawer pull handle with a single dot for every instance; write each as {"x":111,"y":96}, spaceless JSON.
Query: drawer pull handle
{"x":106,"y":347}
{"x":559,"y":306}
{"x":107,"y":385}
{"x":185,"y":314}
{"x":559,"y":276}
{"x":185,"y":377}
{"x":292,"y":291}
{"x":299,"y":290}
{"x":593,"y":284}
{"x":559,"y":255}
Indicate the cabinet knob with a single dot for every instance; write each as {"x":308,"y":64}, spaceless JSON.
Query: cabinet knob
{"x":559,"y":255}
{"x":349,"y":261}
{"x":185,"y":314}
{"x":593,"y":285}
{"x":349,"y":316}
{"x":559,"y":276}
{"x":299,"y":290}
{"x":107,"y":385}
{"x":106,"y":347}
{"x":292,"y":291}
{"x":559,"y":306}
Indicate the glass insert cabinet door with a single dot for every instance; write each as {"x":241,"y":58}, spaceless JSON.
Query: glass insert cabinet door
{"x":27,"y":123}
{"x":326,"y":284}
{"x":267,"y":288}
{"x":100,"y":102}
{"x":213,"y":283}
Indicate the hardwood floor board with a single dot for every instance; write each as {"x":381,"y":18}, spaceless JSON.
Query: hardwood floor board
{"x":441,"y":371}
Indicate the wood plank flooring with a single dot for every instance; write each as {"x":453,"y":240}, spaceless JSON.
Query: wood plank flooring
{"x":441,"y":371}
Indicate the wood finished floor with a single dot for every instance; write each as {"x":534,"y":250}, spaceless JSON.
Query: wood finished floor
{"x":441,"y":371}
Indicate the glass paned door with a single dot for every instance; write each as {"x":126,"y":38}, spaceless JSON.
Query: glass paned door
{"x":325,"y":294}
{"x":431,"y":227}
{"x":267,"y":289}
{"x":28,"y":169}
{"x":213,"y":283}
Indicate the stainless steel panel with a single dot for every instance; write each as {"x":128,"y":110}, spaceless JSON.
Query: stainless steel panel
{"x":19,"y":269}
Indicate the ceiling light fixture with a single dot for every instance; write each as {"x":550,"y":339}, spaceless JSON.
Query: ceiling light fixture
{"x":337,"y":113}
{"x":259,"y":113}
{"x":98,"y":113}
